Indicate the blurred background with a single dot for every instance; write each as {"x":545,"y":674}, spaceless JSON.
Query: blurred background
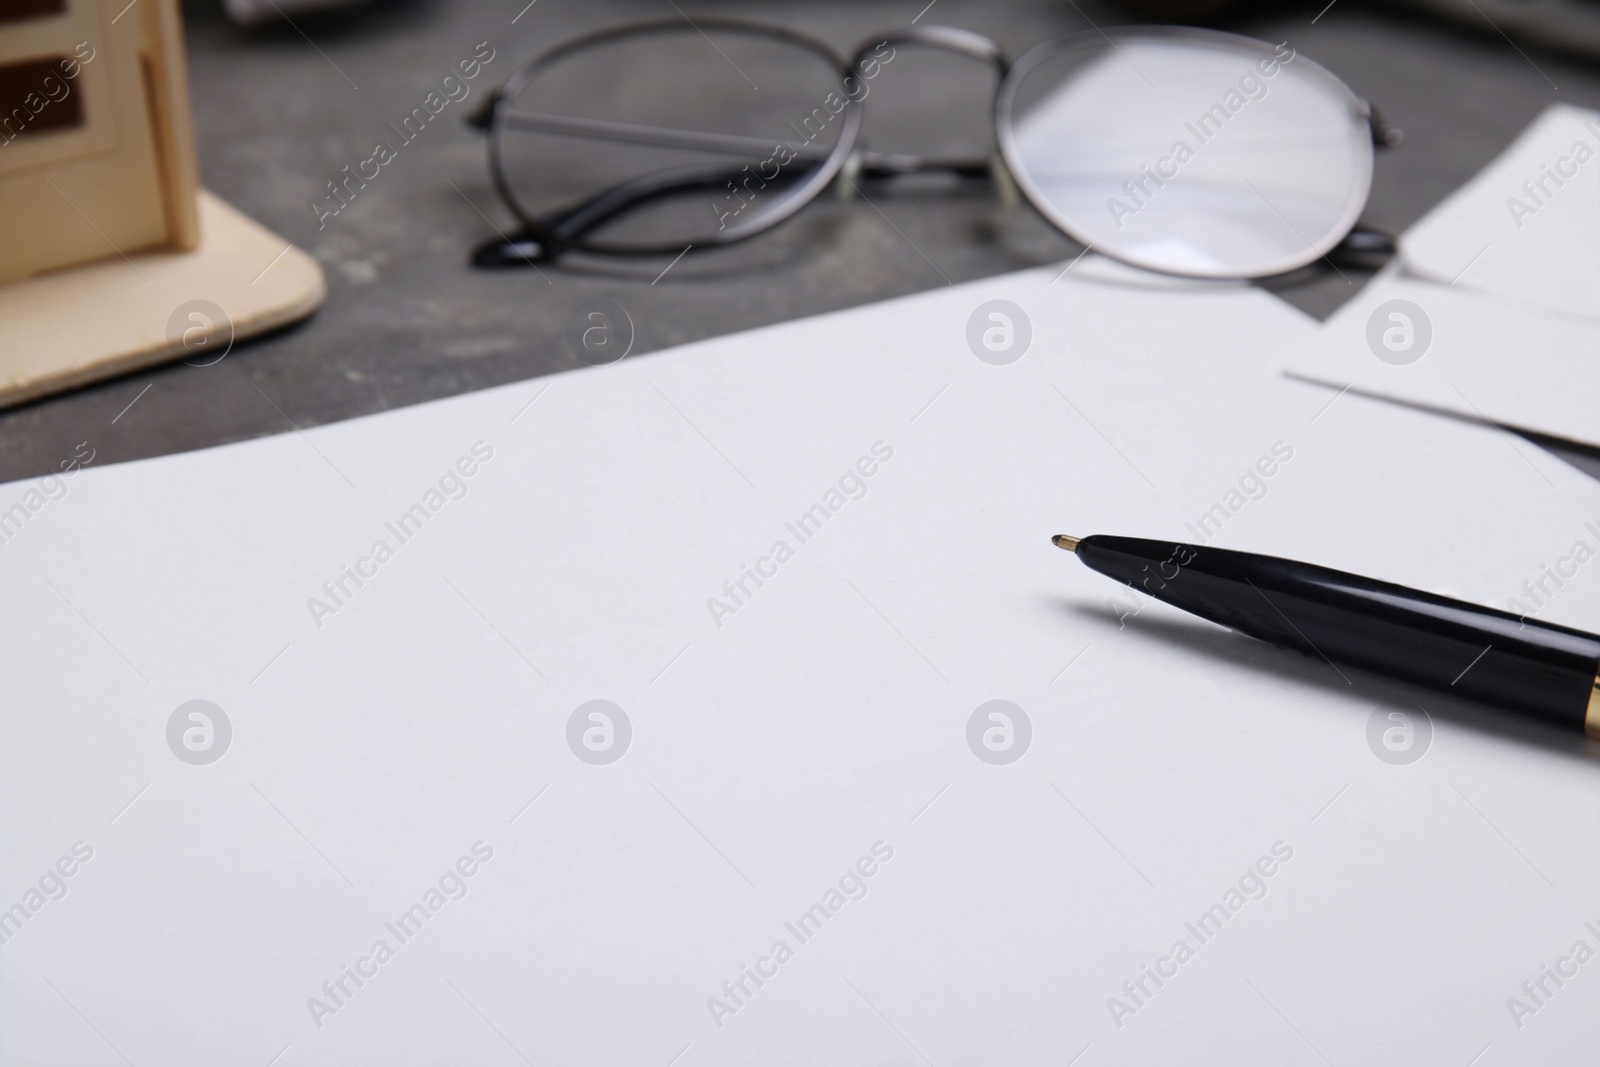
{"x":286,"y":95}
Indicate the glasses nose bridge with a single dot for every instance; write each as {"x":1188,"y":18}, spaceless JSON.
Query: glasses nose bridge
{"x":945,"y":38}
{"x":864,"y":162}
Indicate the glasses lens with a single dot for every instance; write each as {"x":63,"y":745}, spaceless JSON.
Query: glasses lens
{"x":667,"y":137}
{"x":1190,"y":152}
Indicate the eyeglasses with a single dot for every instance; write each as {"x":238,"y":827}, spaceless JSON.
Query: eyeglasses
{"x":1184,"y":151}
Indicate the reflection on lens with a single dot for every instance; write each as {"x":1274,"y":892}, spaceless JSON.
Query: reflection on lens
{"x":598,"y":150}
{"x":1189,"y":151}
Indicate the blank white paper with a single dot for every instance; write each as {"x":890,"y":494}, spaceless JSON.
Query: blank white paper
{"x":796,"y":770}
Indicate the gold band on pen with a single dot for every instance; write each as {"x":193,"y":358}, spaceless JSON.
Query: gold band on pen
{"x":1591,"y":720}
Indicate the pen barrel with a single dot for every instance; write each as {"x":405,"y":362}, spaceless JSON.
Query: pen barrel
{"x":1544,"y":671}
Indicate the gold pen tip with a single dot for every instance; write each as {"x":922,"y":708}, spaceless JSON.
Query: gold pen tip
{"x":1066,"y":542}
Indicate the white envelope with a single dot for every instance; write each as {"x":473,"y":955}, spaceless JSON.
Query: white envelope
{"x":1466,"y":353}
{"x":1528,"y":226}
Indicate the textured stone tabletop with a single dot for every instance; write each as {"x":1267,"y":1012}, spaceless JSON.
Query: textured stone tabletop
{"x":280,"y":111}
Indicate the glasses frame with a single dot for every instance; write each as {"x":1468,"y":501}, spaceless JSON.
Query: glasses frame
{"x":501,"y":116}
{"x":542,"y":240}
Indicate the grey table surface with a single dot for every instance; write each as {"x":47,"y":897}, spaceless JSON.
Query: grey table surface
{"x":280,"y":111}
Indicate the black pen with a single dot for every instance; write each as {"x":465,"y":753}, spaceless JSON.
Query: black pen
{"x":1538,"y":670}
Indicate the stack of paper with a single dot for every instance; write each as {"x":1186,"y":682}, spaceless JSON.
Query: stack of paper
{"x":646,"y":715}
{"x":1493,"y":311}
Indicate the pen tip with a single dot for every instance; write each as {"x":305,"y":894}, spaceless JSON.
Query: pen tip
{"x":1066,"y":542}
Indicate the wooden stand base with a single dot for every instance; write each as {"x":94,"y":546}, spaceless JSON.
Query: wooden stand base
{"x":71,"y":327}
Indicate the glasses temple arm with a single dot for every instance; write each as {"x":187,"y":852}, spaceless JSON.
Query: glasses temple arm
{"x":657,"y":136}
{"x":574,"y":221}
{"x":632,"y":133}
